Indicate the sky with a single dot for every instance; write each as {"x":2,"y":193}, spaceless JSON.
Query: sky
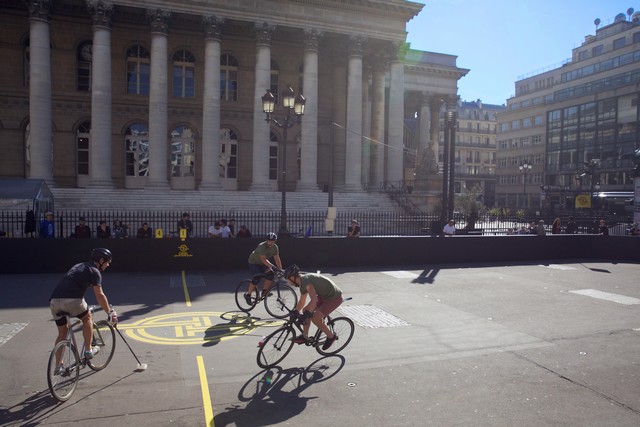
{"x":501,"y":41}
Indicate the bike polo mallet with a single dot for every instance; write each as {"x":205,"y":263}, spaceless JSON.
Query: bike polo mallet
{"x":141,"y":366}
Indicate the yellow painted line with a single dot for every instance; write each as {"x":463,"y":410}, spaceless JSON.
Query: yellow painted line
{"x":186,"y":292}
{"x":206,"y":396}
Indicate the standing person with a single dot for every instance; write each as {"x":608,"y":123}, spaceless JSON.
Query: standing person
{"x":144,"y":232}
{"x":68,"y":297}
{"x":215,"y":232}
{"x":260,"y":263}
{"x":244,"y":232}
{"x":354,"y":229}
{"x":325,"y":296}
{"x":120,"y":230}
{"x":232,"y":227}
{"x":572,"y":227}
{"x":225,"y":231}
{"x":540,"y":230}
{"x":103,"y":231}
{"x":82,"y":230}
{"x":185,"y":223}
{"x":48,"y":226}
{"x":449,"y":229}
{"x":603,"y":228}
{"x":634,"y":231}
{"x":556,"y":227}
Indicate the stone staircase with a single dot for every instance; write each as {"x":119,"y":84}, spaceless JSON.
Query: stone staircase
{"x":82,"y":199}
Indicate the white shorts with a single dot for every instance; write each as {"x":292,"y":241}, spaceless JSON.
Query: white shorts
{"x":71,"y":306}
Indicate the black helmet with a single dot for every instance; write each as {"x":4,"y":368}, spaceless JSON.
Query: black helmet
{"x":291,"y":272}
{"x":101,"y":253}
{"x":272,"y":236}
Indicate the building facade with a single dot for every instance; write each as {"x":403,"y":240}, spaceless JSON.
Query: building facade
{"x":569,"y":133}
{"x":125,"y":95}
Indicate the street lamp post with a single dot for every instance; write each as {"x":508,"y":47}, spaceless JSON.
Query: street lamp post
{"x":525,"y":168}
{"x":291,"y":102}
{"x":590,"y":170}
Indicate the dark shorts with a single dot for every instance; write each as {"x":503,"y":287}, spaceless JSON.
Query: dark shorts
{"x":255,"y":269}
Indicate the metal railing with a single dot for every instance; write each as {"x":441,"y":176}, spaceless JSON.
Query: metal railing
{"x":300,"y":223}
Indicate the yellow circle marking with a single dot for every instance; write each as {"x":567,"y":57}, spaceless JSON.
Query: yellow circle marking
{"x":198,"y":327}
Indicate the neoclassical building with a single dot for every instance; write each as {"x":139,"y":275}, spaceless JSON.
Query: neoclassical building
{"x":160,"y":94}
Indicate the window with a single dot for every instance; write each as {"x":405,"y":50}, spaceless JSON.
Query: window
{"x":597,"y":50}
{"x":138,"y":70}
{"x":526,"y":122}
{"x":83,"y":72}
{"x":504,"y":127}
{"x":137,"y":150}
{"x":82,"y":148}
{"x":184,"y":74}
{"x":273,"y":156}
{"x":228,"y":154}
{"x":182,"y":152}
{"x":515,"y":124}
{"x":618,"y":43}
{"x":538,"y":120}
{"x":228,"y":78}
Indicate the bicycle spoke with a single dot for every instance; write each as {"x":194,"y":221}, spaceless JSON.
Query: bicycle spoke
{"x":280,"y":301}
{"x":242,"y":290}
{"x":103,"y":345}
{"x":275,"y":347}
{"x":63,"y":370}
{"x":344,"y":329}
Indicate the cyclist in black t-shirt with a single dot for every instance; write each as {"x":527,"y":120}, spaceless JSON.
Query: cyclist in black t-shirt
{"x":68,"y":297}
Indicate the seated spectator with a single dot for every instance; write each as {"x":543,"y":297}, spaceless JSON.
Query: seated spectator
{"x":214,"y":231}
{"x":354,"y":229}
{"x":120,"y":230}
{"x":603,"y":228}
{"x":523,"y":230}
{"x":449,"y":229}
{"x":225,"y":231}
{"x":244,"y":231}
{"x":144,"y":232}
{"x":572,"y":227}
{"x":82,"y":230}
{"x":634,"y":231}
{"x":540,"y":230}
{"x":47,"y":226}
{"x":232,"y":227}
{"x":103,"y":231}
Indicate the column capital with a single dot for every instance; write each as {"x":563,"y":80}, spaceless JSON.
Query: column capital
{"x":357,"y":45}
{"x":39,"y":9}
{"x":159,"y":20}
{"x":451,"y":101}
{"x":101,"y":12}
{"x":264,"y":31}
{"x":398,"y":50}
{"x":312,"y":39}
{"x":212,"y":27}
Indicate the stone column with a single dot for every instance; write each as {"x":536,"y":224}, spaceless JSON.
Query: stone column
{"x":101,"y":129}
{"x":425,"y":122}
{"x":260,"y":180}
{"x":434,"y":107}
{"x":211,"y":104}
{"x":39,"y":155}
{"x":354,"y":115}
{"x":338,"y":127}
{"x":378,"y":121}
{"x":366,"y":126}
{"x":309,"y":143}
{"x":395,"y":164}
{"x":158,"y":94}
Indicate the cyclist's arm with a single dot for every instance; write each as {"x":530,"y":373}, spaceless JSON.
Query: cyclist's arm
{"x":266,"y":262}
{"x":101,"y":298}
{"x":314,"y":298}
{"x":301,"y":302}
{"x":276,"y":258}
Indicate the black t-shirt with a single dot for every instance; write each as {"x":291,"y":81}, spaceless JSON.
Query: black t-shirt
{"x":77,"y":280}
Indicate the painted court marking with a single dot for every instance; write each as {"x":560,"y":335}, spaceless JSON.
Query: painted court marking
{"x":10,"y":330}
{"x":369,"y":316}
{"x":401,"y":274}
{"x":558,"y":267}
{"x":620,"y":299}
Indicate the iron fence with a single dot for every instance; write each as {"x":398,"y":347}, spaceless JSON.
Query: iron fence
{"x":299,"y":223}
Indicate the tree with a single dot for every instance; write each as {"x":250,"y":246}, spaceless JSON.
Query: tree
{"x":469,"y":203}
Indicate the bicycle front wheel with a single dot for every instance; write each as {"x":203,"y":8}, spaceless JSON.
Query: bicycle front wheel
{"x":245,"y":301}
{"x":343,"y":328}
{"x":63,"y":370}
{"x":280,"y":300}
{"x":103,"y":344}
{"x":275,"y":347}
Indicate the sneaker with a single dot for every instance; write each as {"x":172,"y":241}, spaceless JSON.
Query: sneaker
{"x":95,"y":350}
{"x":88,"y":354}
{"x":301,"y":339}
{"x":247,"y":298}
{"x":329,"y":341}
{"x":59,"y":370}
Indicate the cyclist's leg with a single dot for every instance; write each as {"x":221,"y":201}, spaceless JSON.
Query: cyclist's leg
{"x":254,"y":269}
{"x":87,"y":330}
{"x":325,"y":307}
{"x":69,"y":306}
{"x":268,"y":280}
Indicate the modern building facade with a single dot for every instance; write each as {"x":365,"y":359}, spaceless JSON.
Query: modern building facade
{"x":167,"y":95}
{"x":570,"y":132}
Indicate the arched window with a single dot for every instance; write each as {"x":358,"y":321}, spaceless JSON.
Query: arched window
{"x":83,"y":71}
{"x":138,"y":70}
{"x":274,"y":85}
{"x":83,"y":135}
{"x":184,"y":84}
{"x":182,"y":152}
{"x":137,"y":150}
{"x":228,"y":78}
{"x":228,"y":153}
{"x":273,"y":156}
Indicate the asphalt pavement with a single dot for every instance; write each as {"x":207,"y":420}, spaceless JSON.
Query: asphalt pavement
{"x":442,"y":345}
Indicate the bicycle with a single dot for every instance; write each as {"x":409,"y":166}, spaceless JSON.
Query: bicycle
{"x":276,"y":346}
{"x":63,"y":369}
{"x":279,"y":300}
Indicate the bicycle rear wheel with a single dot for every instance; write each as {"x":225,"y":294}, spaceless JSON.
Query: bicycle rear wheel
{"x":343,"y":328}
{"x":280,"y":300}
{"x":63,"y":380}
{"x":104,"y":341}
{"x":275,"y":347}
{"x":242,"y":290}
